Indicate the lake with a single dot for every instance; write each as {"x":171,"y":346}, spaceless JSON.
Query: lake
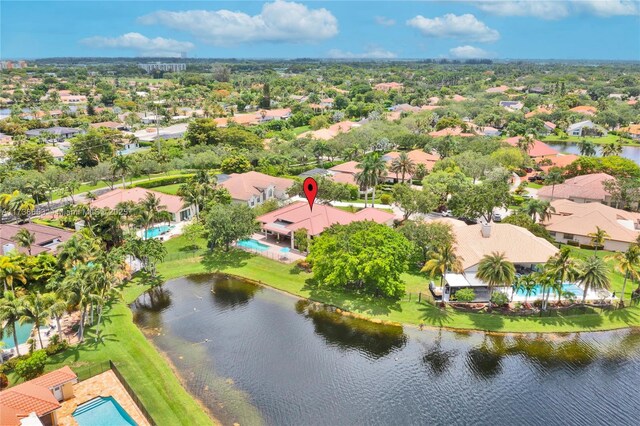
{"x":630,"y":152}
{"x":253,"y":356}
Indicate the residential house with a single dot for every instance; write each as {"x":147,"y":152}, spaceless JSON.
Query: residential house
{"x":512,"y":105}
{"x":473,"y":242}
{"x":274,"y":114}
{"x":633,"y":130}
{"x":254,"y":188}
{"x":282,"y":223}
{"x":46,"y":238}
{"x":55,"y":134}
{"x":451,"y":131}
{"x":498,"y":89}
{"x":55,"y":152}
{"x":549,"y":127}
{"x":114,"y":125}
{"x":580,"y":189}
{"x":586,"y":128}
{"x":36,"y":401}
{"x":385,"y":87}
{"x":538,"y":149}
{"x":418,"y":156}
{"x":584,"y":109}
{"x":174,"y":204}
{"x":330,"y":132}
{"x":541,"y":109}
{"x":573,"y":222}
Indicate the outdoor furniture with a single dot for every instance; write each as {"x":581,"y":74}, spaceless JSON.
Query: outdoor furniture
{"x":284,"y":253}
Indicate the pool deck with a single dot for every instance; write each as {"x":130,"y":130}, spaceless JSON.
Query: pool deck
{"x":105,"y":384}
{"x":273,"y":252}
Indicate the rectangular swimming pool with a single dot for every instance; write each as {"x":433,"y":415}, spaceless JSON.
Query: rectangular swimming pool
{"x":253,"y":245}
{"x":102,"y":411}
{"x":566,"y":287}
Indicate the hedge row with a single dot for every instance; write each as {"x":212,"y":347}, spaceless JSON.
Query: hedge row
{"x":167,"y":180}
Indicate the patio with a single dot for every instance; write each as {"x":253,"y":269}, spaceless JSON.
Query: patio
{"x":105,"y":384}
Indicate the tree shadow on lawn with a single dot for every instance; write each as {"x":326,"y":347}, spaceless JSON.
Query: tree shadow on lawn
{"x":351,"y":301}
{"x":433,"y":315}
{"x":219,"y":260}
{"x":626,"y":315}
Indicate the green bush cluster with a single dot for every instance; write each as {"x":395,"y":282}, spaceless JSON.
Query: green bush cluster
{"x":163,"y":181}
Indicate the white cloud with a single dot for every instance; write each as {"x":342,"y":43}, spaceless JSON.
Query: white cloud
{"x":143,"y":46}
{"x":384,"y":21}
{"x":464,"y":27}
{"x":558,"y":9}
{"x":369,"y":53}
{"x":280,"y":21}
{"x":470,"y":52}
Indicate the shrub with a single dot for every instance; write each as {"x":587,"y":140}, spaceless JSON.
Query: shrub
{"x":168,"y":180}
{"x":385,"y":199}
{"x":4,"y":381}
{"x":33,"y":366}
{"x":56,"y":347}
{"x":573,"y":243}
{"x":499,"y":298}
{"x":11,"y":364}
{"x":465,"y":295}
{"x":304,"y":265}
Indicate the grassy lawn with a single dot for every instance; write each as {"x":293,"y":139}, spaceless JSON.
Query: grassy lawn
{"x":168,"y":189}
{"x":181,"y":261}
{"x":301,"y":129}
{"x":534,"y":185}
{"x":143,"y":367}
{"x":596,"y":140}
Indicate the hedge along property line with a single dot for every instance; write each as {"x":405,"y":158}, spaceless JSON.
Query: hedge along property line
{"x":167,"y":180}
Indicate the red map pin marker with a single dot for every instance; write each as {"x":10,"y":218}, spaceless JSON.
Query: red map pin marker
{"x":310,"y":187}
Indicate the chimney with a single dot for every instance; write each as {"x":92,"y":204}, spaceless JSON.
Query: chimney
{"x":486,"y":230}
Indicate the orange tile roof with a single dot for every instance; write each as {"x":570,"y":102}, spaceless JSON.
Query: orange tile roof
{"x":111,"y":199}
{"x":56,"y":377}
{"x":538,"y":149}
{"x":585,"y":109}
{"x":450,"y":131}
{"x":243,"y":186}
{"x":586,"y":186}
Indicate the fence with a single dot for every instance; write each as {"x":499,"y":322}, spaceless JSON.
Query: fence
{"x":89,"y":371}
{"x":132,"y":394}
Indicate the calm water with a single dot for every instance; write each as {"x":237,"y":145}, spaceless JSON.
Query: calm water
{"x":256,"y":356}
{"x":630,"y":152}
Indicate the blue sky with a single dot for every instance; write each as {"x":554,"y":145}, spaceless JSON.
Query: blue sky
{"x":501,"y":29}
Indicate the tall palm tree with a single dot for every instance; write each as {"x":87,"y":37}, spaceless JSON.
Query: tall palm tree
{"x":538,"y":209}
{"x":587,"y":148}
{"x":594,"y":275}
{"x":79,"y":249}
{"x":34,"y":310}
{"x":403,"y":164}
{"x":24,"y":239}
{"x":443,"y":259}
{"x":79,"y":285}
{"x":529,"y":284}
{"x":562,"y":267}
{"x":611,"y":148}
{"x":598,"y":238}
{"x":121,"y":164}
{"x":628,"y":264}
{"x":525,"y":143}
{"x":10,"y":313}
{"x":363,"y":179}
{"x":5,"y":200}
{"x":9,"y":272}
{"x":553,"y":178}
{"x":376,"y":168}
{"x":21,"y":206}
{"x":496,"y":271}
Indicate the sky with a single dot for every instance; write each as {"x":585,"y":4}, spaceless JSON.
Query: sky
{"x":495,"y":29}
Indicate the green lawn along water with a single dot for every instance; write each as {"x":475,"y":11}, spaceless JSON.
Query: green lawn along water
{"x":182,"y":261}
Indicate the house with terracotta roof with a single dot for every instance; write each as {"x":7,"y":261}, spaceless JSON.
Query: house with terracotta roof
{"x":418,"y":156}
{"x":254,"y":188}
{"x":498,"y":89}
{"x":46,"y":238}
{"x":633,"y":130}
{"x":580,"y":189}
{"x":330,"y":132}
{"x":549,"y":127}
{"x":35,"y":402}
{"x":538,"y":149}
{"x":573,"y":222}
{"x":173,"y":204}
{"x":450,"y":131}
{"x":109,"y":125}
{"x":56,"y":153}
{"x":541,"y":109}
{"x":282,"y":223}
{"x":584,"y":109}
{"x":474,"y":242}
{"x":385,"y":87}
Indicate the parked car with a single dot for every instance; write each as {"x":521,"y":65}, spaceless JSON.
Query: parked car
{"x":497,"y":217}
{"x":468,"y":220}
{"x":446,"y":213}
{"x":536,"y":178}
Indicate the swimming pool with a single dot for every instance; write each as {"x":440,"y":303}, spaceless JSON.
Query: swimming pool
{"x":253,"y":245}
{"x":156,"y":231}
{"x":22,"y":330}
{"x":102,"y":411}
{"x":567,"y":287}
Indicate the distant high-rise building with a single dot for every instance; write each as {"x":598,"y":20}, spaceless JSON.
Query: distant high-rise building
{"x":163,"y":67}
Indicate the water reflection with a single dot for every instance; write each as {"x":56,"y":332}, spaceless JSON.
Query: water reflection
{"x":228,"y":293}
{"x":375,"y":340}
{"x":437,"y":358}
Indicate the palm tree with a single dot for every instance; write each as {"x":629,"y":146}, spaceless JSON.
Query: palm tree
{"x":24,"y":239}
{"x":538,"y":209}
{"x":611,"y":148}
{"x":21,"y":206}
{"x":121,"y":164}
{"x":562,"y":267}
{"x":34,"y":310}
{"x":525,"y":143}
{"x":5,"y":200}
{"x":420,"y":172}
{"x":587,"y":148}
{"x":598,"y":238}
{"x":517,"y":285}
{"x":496,"y":271}
{"x":594,"y":275}
{"x":363,"y":179}
{"x":553,"y":178}
{"x":10,"y":271}
{"x":377,"y":168}
{"x":403,"y":164}
{"x":79,"y":249}
{"x":10,"y":313}
{"x":79,"y":285}
{"x":628,"y":264}
{"x":443,"y":259}
{"x":528,"y":285}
